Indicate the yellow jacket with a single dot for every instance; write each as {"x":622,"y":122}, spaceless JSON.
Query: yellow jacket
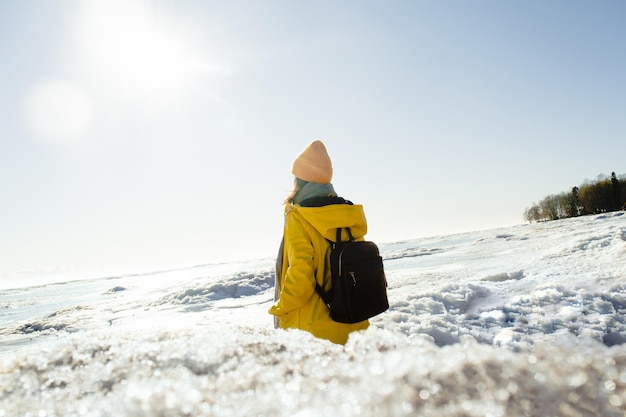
{"x":304,"y":260}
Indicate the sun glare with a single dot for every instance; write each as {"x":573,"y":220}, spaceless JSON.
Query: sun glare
{"x":130,"y":47}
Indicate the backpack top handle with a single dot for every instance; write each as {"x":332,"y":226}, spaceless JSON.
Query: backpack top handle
{"x":350,"y":238}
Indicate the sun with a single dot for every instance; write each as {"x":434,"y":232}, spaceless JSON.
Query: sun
{"x":129,"y":47}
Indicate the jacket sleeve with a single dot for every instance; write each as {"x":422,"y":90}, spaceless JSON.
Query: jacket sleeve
{"x":298,"y":285}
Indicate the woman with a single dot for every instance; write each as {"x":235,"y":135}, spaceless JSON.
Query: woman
{"x":313,"y":212}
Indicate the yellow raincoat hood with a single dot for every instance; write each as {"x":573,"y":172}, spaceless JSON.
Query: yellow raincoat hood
{"x":327,"y":219}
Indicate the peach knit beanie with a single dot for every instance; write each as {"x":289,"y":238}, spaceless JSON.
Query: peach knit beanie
{"x":313,"y":164}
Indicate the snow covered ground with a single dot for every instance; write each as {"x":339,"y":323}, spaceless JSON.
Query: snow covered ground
{"x":520,"y":321}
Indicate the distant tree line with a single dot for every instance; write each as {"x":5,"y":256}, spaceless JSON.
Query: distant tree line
{"x":601,"y":196}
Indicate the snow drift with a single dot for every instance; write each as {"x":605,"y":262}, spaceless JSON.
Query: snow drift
{"x":521,"y":321}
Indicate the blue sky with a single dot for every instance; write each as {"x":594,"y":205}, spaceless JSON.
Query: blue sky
{"x":149,"y":134}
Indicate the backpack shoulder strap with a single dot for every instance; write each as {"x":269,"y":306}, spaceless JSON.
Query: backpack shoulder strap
{"x":323,"y":294}
{"x":326,"y":297}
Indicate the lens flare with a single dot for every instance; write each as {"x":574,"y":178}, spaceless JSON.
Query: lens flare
{"x":57,"y":111}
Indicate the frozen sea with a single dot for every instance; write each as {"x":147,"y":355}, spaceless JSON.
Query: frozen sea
{"x":520,"y":321}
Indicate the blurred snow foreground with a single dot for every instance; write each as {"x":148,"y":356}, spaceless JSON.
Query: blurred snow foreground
{"x":522,"y":321}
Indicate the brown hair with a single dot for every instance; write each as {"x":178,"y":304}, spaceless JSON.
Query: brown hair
{"x":297,"y":186}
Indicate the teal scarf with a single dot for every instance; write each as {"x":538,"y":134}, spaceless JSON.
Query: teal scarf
{"x":313,"y":189}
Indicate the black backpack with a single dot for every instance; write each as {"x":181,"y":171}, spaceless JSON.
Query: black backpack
{"x":359,"y":286}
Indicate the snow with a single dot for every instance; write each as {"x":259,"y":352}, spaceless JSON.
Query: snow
{"x":520,"y":321}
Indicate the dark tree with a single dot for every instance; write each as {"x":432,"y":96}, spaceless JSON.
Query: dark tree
{"x":574,"y":203}
{"x":616,"y":193}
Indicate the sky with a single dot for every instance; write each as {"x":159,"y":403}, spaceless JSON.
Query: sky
{"x":149,"y":134}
